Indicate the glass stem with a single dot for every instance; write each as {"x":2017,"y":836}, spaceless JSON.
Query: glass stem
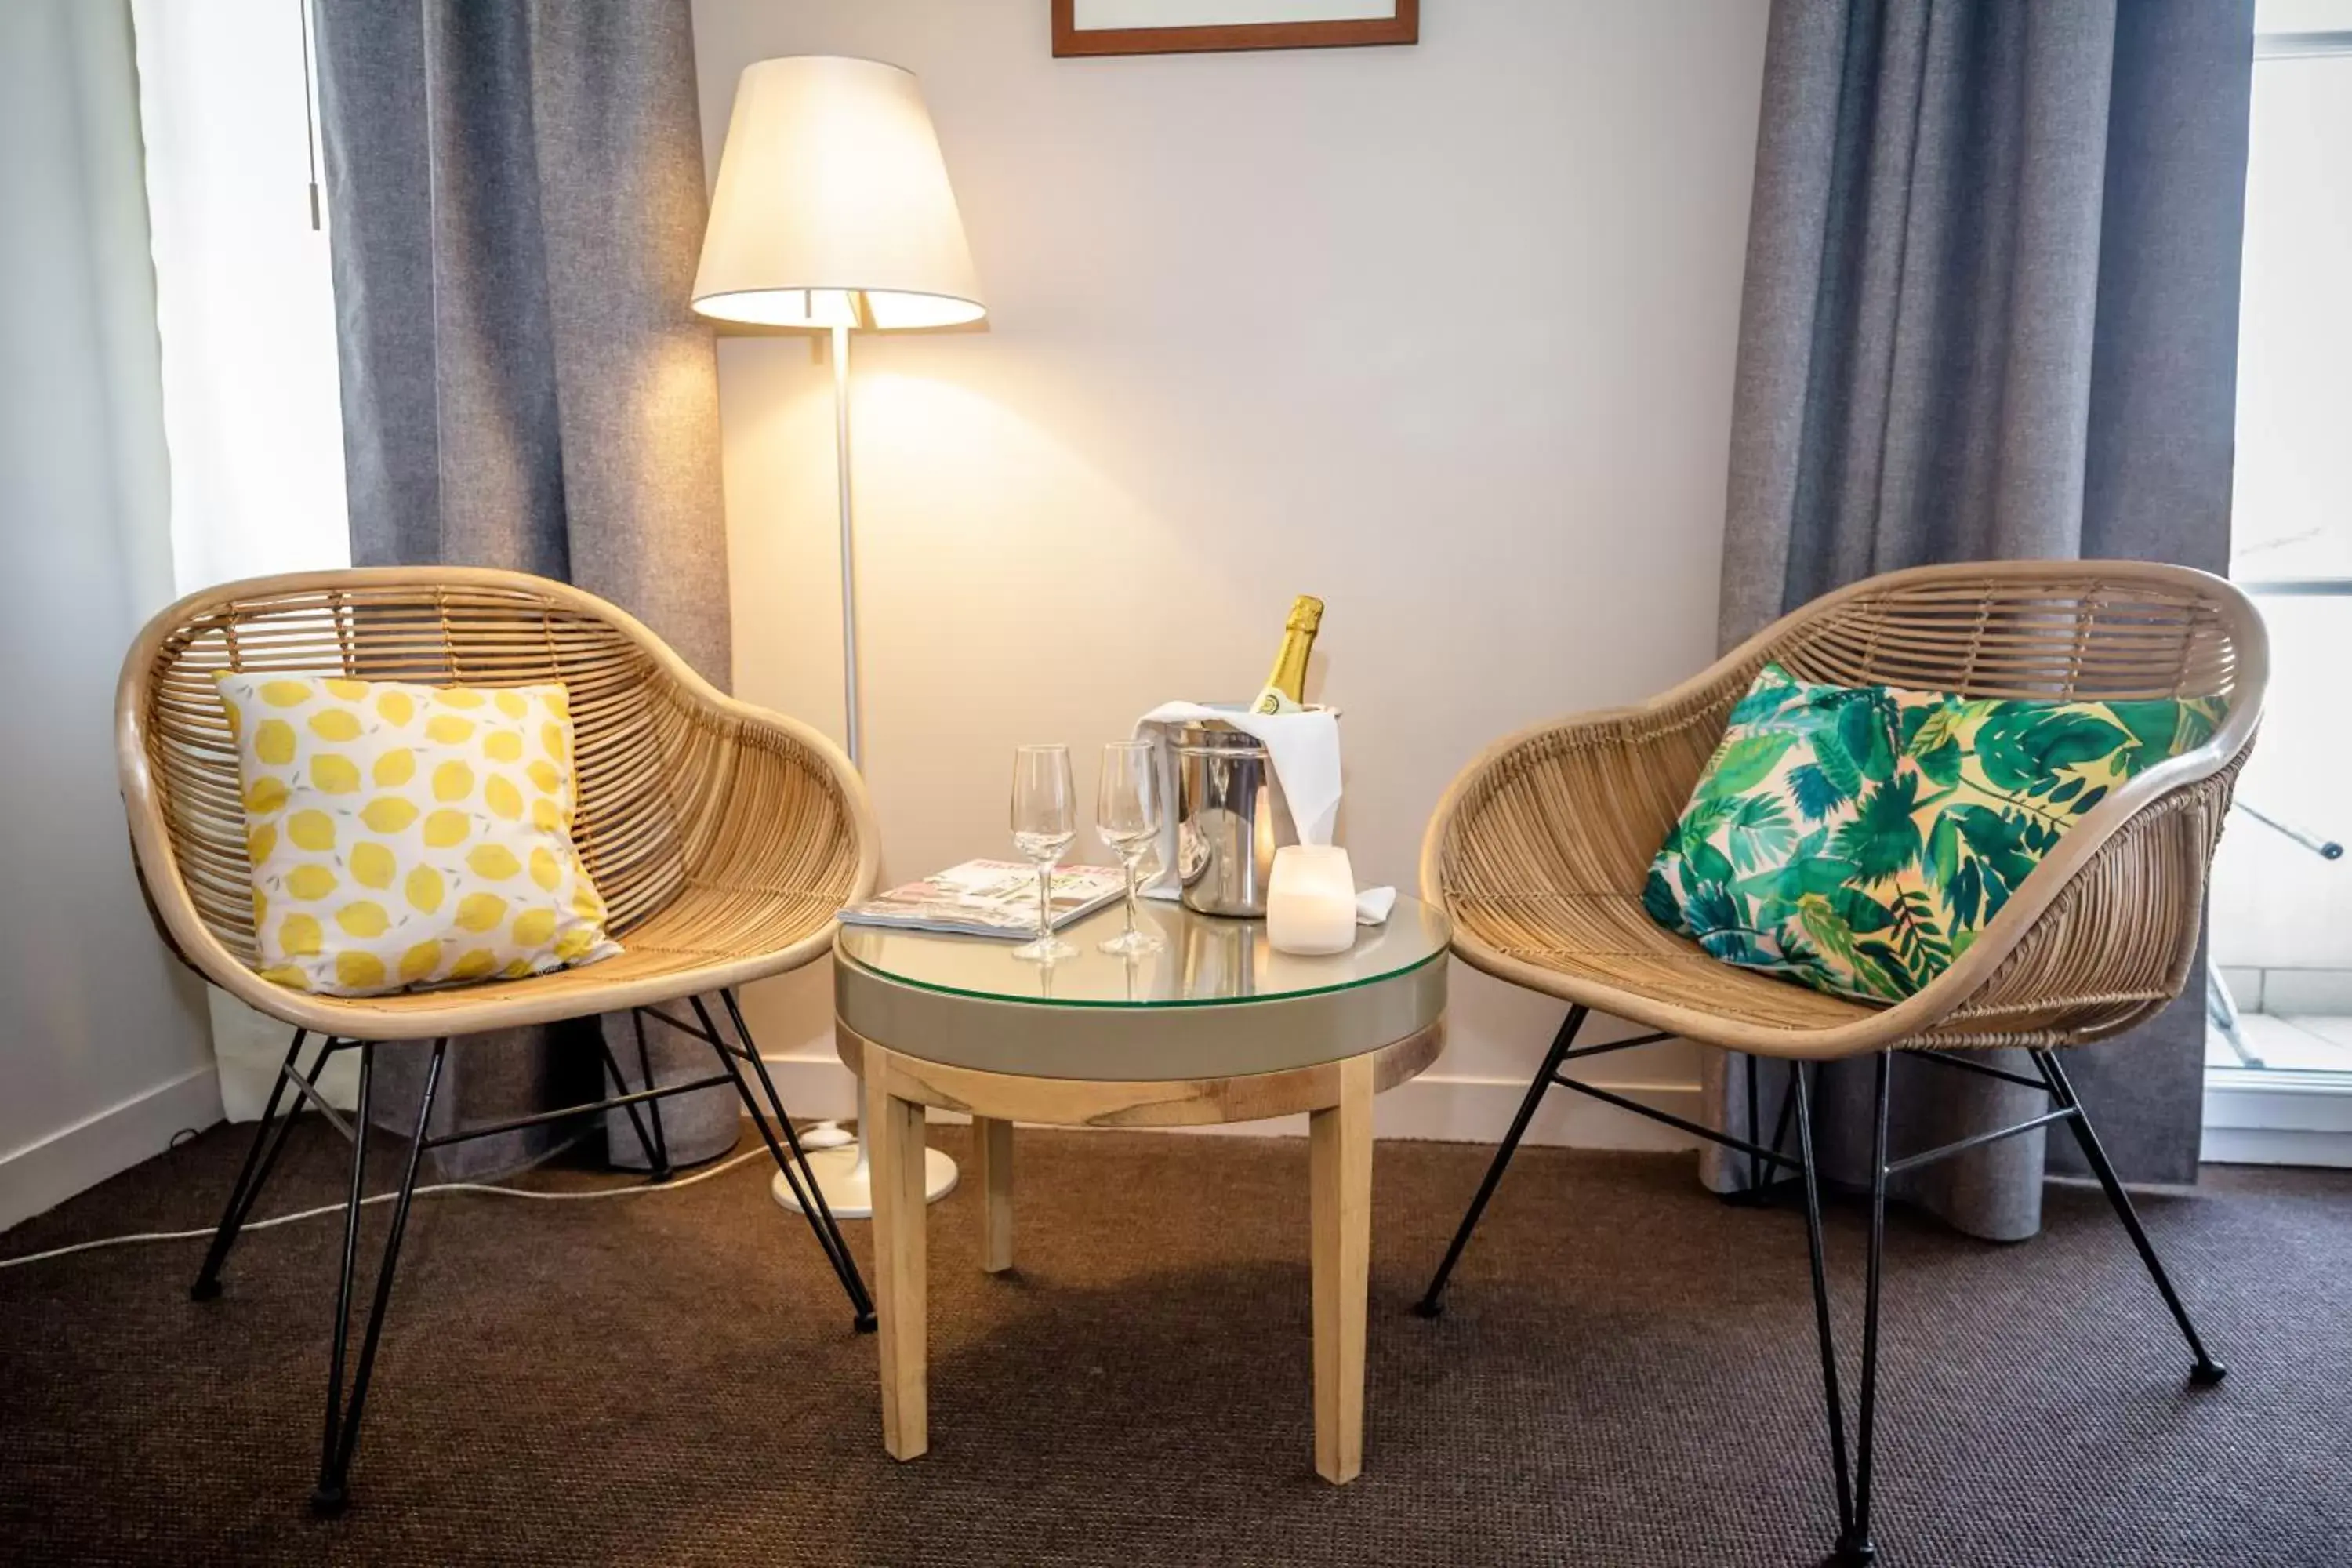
{"x":1044,"y":903}
{"x":1130,"y":864}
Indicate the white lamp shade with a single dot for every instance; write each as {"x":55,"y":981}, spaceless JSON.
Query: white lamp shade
{"x":832,"y":207}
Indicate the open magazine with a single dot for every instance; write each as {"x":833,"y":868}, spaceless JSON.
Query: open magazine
{"x":989,"y":898}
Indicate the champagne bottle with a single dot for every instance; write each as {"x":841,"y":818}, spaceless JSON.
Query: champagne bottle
{"x":1286,"y":689}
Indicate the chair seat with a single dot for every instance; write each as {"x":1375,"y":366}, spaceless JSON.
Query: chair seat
{"x":709,"y":936}
{"x":1604,"y":950}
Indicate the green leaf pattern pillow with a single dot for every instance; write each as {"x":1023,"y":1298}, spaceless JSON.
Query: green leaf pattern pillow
{"x":1856,"y":839}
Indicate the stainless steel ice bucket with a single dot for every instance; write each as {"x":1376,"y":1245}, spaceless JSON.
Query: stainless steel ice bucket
{"x":1230,"y":820}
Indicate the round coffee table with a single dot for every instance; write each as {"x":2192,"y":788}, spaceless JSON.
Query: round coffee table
{"x":1216,"y":1028}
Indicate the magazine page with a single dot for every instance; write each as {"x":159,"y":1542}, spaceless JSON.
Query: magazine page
{"x":990,"y":897}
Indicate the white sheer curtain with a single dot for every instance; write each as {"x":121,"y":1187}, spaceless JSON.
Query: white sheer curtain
{"x":244,"y":305}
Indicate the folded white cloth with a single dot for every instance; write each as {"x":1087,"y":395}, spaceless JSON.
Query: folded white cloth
{"x":1304,"y":748}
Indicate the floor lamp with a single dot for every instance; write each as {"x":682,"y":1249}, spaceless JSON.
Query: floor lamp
{"x":834,"y":213}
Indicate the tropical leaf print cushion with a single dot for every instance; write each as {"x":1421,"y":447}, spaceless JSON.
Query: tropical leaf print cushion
{"x":1856,"y":839}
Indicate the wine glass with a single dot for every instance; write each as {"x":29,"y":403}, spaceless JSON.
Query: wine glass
{"x":1044,"y":823}
{"x":1126,"y":816}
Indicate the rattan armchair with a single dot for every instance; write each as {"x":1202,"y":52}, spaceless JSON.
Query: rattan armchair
{"x":722,"y":837}
{"x":1539,"y":849}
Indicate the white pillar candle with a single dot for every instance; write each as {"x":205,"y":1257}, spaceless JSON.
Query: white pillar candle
{"x":1310,"y":900}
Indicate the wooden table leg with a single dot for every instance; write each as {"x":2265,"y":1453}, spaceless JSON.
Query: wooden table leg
{"x":1340,"y":1160}
{"x":992,"y":1143}
{"x":901,"y":1219}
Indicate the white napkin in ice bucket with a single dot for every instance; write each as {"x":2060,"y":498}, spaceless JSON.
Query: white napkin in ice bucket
{"x":1304,"y":748}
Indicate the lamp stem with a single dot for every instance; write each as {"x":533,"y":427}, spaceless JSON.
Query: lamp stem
{"x":859,"y":1169}
{"x":845,"y":1174}
{"x":849,"y":719}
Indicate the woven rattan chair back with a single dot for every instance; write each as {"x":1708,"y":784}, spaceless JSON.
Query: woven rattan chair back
{"x":1540,"y":847}
{"x":656,"y":746}
{"x":2060,"y":630}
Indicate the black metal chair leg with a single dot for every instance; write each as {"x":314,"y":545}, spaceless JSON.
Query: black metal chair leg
{"x":801,"y":1181}
{"x":322,"y":1500}
{"x":1789,"y":1092}
{"x":1855,"y":1547}
{"x":1749,"y":1131}
{"x":1431,"y":1303}
{"x":259,"y":1158}
{"x":815,"y":1200}
{"x":2207,"y":1371}
{"x":657,"y":1162}
{"x":202,"y":1290}
{"x":791,"y":1160}
{"x":333,"y":1493}
{"x":1762,"y":1175}
{"x":661,"y":1171}
{"x":1810,"y":1175}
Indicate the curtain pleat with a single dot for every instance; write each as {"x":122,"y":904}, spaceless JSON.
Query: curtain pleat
{"x":517,"y":202}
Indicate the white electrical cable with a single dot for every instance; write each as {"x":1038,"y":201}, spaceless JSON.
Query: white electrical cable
{"x":671,"y":1186}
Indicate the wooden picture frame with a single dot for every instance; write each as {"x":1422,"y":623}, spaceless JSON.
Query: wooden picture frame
{"x":1072,"y":41}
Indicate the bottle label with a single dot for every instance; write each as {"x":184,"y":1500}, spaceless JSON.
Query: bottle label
{"x":1273,"y":701}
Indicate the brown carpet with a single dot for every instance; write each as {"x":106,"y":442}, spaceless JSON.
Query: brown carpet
{"x":1626,"y":1375}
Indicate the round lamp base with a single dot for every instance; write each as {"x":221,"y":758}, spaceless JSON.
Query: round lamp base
{"x":826,"y":1135}
{"x":848,"y":1180}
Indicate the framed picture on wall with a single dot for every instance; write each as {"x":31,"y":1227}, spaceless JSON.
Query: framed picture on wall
{"x":1178,"y":27}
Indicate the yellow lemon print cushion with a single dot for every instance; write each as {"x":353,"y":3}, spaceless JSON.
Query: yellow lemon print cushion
{"x":409,"y":835}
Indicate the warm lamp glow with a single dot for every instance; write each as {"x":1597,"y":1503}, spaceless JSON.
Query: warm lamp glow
{"x":833,"y":208}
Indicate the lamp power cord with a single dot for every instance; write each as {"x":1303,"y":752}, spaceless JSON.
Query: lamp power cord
{"x":677,"y":1184}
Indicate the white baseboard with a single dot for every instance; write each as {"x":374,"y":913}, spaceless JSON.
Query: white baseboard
{"x":2272,"y":1118}
{"x":1441,"y":1105}
{"x":42,"y":1176}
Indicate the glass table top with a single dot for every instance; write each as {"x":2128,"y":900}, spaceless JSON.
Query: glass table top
{"x":1207,"y":960}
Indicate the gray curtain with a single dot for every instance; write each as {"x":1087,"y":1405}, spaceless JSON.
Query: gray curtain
{"x":1990,"y":311}
{"x":517,"y":202}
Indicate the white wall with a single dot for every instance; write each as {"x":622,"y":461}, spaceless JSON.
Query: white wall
{"x":1442,"y":334}
{"x":103,"y":1053}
